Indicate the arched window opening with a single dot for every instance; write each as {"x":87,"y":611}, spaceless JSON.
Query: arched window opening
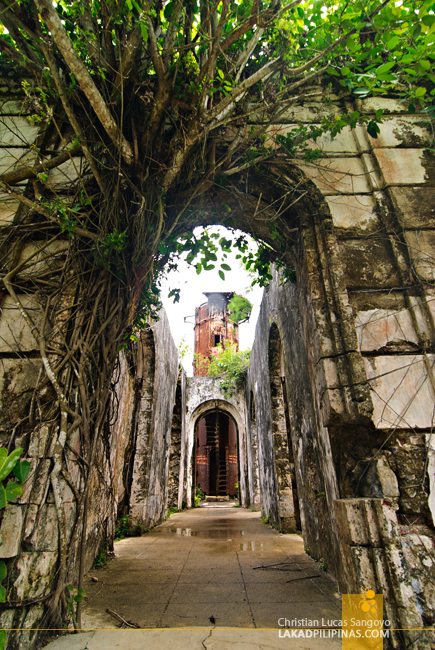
{"x":216,"y":454}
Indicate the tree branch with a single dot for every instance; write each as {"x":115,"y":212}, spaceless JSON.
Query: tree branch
{"x":77,"y":67}
{"x":171,"y":32}
{"x":45,"y":213}
{"x":18,"y":57}
{"x":72,"y":118}
{"x":254,"y":19}
{"x":26,"y":172}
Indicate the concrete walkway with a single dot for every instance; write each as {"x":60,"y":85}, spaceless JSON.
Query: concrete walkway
{"x":196,"y":575}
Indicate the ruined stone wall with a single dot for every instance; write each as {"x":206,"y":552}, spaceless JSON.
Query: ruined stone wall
{"x":358,"y":338}
{"x":153,"y":427}
{"x":29,"y":531}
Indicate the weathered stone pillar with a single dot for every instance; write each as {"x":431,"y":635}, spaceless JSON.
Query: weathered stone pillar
{"x":373,"y":558}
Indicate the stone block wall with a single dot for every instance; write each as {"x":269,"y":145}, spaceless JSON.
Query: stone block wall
{"x":156,"y":432}
{"x":357,"y":334}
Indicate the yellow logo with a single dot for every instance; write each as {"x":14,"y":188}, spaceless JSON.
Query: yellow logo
{"x":362,"y":621}
{"x":368,"y":602}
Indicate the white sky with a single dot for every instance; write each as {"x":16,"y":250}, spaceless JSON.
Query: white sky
{"x":192,"y":287}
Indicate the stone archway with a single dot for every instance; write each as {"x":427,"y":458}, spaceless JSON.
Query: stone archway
{"x":221,"y":406}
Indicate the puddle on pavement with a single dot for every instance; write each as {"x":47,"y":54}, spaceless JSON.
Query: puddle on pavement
{"x":229,"y":534}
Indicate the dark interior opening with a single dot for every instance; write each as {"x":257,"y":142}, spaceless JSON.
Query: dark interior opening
{"x":216,"y":455}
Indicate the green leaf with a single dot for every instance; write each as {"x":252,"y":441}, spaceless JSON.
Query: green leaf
{"x":373,"y":129}
{"x":162,"y":248}
{"x":424,"y":64}
{"x":2,"y":594}
{"x":428,"y":20}
{"x":198,"y":268}
{"x":129,"y":4}
{"x":10,"y":463}
{"x":225,"y":267}
{"x":221,"y":275}
{"x":416,"y":33}
{"x":144,"y":30}
{"x":3,"y":571}
{"x":393,"y":42}
{"x":3,"y":500}
{"x":13,"y":490}
{"x":21,"y":470}
{"x":2,"y":638}
{"x":220,"y":73}
{"x":345,"y":71}
{"x":301,"y":12}
{"x":420,"y":91}
{"x":385,"y":67}
{"x":169,"y":9}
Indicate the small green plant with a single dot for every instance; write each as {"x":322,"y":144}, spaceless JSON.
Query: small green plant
{"x":320,"y":496}
{"x":171,"y":511}
{"x":75,"y":596}
{"x":199,"y":496}
{"x":101,"y":558}
{"x":121,"y":529}
{"x":9,"y":463}
{"x":183,"y":349}
{"x":231,"y":366}
{"x":307,"y":550}
{"x":265,"y":519}
{"x":322,"y":565}
{"x":239,"y":309}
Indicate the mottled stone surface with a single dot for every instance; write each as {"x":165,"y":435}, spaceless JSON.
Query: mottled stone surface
{"x":149,"y":490}
{"x":402,"y":392}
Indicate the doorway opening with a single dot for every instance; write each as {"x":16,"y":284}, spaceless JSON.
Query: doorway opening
{"x":216,"y":454}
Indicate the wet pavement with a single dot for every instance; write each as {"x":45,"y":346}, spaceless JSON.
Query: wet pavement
{"x":208,"y":568}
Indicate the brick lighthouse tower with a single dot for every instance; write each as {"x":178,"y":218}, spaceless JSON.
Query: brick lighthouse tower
{"x":213,"y":328}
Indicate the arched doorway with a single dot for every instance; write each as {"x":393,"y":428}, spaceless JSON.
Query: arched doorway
{"x":216,"y":454}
